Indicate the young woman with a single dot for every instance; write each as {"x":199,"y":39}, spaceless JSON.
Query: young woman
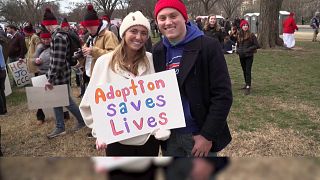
{"x":247,"y":45}
{"x":213,"y":29}
{"x":128,"y":60}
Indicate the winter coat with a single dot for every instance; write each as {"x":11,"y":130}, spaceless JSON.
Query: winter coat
{"x":32,"y":43}
{"x":247,"y":47}
{"x":289,"y":25}
{"x":204,"y":80}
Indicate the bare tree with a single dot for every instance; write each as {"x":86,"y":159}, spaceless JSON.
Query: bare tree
{"x":20,"y":11}
{"x":268,"y":26}
{"x":230,"y":6}
{"x":208,"y":5}
{"x":107,"y":6}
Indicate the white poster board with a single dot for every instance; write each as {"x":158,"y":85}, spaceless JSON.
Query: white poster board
{"x":7,"y":86}
{"x":38,"y":97}
{"x":136,"y":106}
{"x":20,"y":73}
{"x":39,"y":81}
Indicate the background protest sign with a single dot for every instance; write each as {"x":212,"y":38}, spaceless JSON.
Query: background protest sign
{"x":39,"y":81}
{"x":7,"y":86}
{"x":20,"y":73}
{"x":136,"y":106}
{"x":38,"y":97}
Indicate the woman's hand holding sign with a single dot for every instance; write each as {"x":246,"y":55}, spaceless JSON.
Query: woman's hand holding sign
{"x":100,"y":146}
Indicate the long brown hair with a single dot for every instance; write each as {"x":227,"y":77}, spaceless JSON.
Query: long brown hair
{"x":120,"y":57}
{"x":242,"y":36}
{"x":207,"y":24}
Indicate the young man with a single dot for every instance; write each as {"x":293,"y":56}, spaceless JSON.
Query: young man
{"x":59,"y":72}
{"x":17,"y":45}
{"x":100,"y":40}
{"x":203,"y":80}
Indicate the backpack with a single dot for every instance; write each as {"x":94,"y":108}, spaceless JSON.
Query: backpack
{"x":117,"y":34}
{"x":74,"y":46}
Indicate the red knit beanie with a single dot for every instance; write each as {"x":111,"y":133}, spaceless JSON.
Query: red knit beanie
{"x":91,"y":18}
{"x":28,"y":28}
{"x":106,"y":18}
{"x":49,"y":18}
{"x":243,"y":22}
{"x":175,"y":4}
{"x":65,"y":23}
{"x":45,"y":34}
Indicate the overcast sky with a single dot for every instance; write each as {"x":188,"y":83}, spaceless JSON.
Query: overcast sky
{"x":65,"y":5}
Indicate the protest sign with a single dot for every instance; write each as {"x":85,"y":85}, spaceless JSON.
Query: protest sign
{"x":39,"y":81}
{"x":20,"y":73}
{"x":38,"y":97}
{"x":7,"y":86}
{"x":136,"y":106}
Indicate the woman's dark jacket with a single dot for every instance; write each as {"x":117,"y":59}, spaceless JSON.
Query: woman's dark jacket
{"x":205,"y":81}
{"x":247,"y":47}
{"x":212,"y":32}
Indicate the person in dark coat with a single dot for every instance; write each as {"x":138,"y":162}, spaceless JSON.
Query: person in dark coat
{"x":247,"y":45}
{"x":203,"y":80}
{"x":213,"y":29}
{"x":17,"y":46}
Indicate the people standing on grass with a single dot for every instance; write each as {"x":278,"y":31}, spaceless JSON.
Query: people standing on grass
{"x":203,"y":80}
{"x":247,"y":45}
{"x":59,"y":73}
{"x":315,"y":23}
{"x":128,"y":60}
{"x":289,"y":27}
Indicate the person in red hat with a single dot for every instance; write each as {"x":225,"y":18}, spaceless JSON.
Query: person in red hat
{"x":289,"y":27}
{"x":41,"y":60}
{"x":203,"y":79}
{"x":32,"y":40}
{"x":247,"y":44}
{"x":100,"y":40}
{"x":59,"y":73}
{"x":111,"y":27}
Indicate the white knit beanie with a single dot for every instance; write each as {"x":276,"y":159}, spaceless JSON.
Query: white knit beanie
{"x":132,"y":19}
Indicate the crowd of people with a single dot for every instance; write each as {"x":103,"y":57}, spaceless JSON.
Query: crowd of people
{"x":107,"y":53}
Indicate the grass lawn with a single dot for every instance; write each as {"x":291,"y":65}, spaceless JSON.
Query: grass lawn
{"x":281,"y":117}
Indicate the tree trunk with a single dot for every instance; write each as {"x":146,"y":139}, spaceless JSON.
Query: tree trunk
{"x":268,"y":29}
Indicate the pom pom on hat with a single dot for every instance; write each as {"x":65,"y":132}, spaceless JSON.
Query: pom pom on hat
{"x":65,"y":23}
{"x":132,"y":19}
{"x":91,"y":18}
{"x":49,"y":18}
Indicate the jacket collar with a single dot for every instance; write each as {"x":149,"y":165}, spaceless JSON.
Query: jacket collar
{"x":127,"y":74}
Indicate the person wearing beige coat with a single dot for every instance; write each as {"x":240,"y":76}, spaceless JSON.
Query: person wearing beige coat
{"x":32,"y":40}
{"x":100,"y":40}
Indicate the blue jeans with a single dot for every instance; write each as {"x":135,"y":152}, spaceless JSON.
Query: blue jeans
{"x":181,"y":145}
{"x":73,"y":108}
